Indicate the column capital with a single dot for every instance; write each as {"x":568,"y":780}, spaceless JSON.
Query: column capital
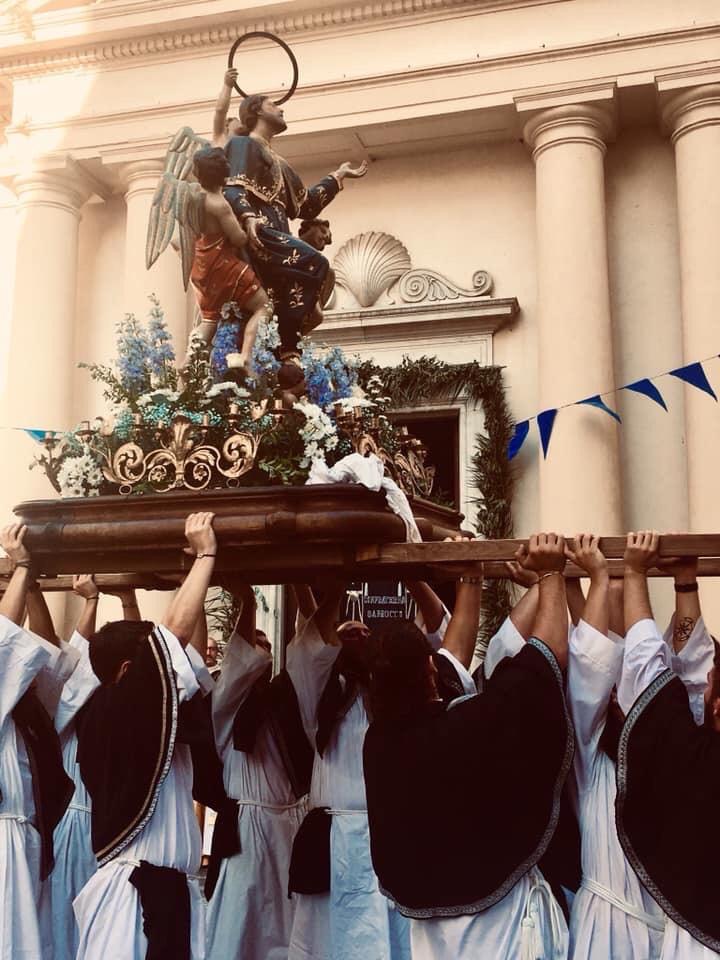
{"x":587,"y":123}
{"x":57,"y":189}
{"x":692,"y":109}
{"x":141,"y":176}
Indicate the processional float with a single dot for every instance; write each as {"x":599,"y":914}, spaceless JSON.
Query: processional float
{"x":267,"y":533}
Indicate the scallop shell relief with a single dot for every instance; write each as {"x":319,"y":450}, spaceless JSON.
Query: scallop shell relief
{"x":368,"y":264}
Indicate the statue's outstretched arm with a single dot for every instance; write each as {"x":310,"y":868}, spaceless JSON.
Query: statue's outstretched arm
{"x":319,"y":196}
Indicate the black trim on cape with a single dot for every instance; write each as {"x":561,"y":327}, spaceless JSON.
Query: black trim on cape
{"x":276,"y":704}
{"x":125,"y":747}
{"x":453,"y":854}
{"x":668,"y":796}
{"x":51,"y":786}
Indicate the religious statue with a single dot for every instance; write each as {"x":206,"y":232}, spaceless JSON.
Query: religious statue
{"x":212,"y":243}
{"x":251,"y":259}
{"x":266,"y":193}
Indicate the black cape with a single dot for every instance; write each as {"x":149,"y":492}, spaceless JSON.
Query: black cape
{"x":52,"y":787}
{"x":126,"y":739}
{"x":668,"y":798}
{"x":463,"y":802}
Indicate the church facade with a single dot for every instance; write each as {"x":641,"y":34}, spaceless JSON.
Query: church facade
{"x":545,"y":172}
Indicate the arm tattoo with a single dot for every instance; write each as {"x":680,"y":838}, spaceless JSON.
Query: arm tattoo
{"x":682,"y":631}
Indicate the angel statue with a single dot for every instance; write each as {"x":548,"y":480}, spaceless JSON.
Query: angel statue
{"x":212,"y":242}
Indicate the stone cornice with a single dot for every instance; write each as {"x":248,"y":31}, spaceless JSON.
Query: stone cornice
{"x":171,"y":45}
{"x":175,"y":43}
{"x":401,"y":324}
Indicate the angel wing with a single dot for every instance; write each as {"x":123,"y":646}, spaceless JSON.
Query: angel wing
{"x":176,"y":200}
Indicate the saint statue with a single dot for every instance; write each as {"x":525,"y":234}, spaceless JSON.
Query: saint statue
{"x":266,"y":193}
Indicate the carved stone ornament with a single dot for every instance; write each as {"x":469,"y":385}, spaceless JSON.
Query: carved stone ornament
{"x":368,"y":264}
{"x":375,"y":270}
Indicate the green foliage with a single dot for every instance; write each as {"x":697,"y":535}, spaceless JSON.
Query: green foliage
{"x":414,"y":383}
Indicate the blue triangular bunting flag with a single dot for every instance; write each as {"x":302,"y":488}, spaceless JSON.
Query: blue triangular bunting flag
{"x":648,"y":389}
{"x":518,"y":438}
{"x":694,"y":374}
{"x":598,"y":402}
{"x":545,"y":422}
{"x":38,"y":435}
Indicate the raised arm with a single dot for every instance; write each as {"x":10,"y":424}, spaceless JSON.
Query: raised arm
{"x":640,"y":554}
{"x":326,"y":616}
{"x":429,"y":604}
{"x":587,"y":556}
{"x":545,"y":556}
{"x":12,"y":540}
{"x":575,"y":599}
{"x":84,"y":586}
{"x":523,"y":613}
{"x":188,"y":603}
{"x":461,"y":635}
{"x":222,"y":106}
{"x":304,"y":599}
{"x":646,"y":653}
{"x":247,"y":620}
{"x":687,"y":597}
{"x":39,"y":620}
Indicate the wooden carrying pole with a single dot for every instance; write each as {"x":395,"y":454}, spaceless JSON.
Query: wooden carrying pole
{"x":308,"y":563}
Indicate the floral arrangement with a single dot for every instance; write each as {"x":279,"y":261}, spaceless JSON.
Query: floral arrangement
{"x":153,"y":413}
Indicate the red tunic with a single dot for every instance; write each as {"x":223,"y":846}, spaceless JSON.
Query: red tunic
{"x":219,"y":276}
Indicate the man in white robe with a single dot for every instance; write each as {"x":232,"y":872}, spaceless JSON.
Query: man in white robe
{"x":75,"y":860}
{"x":250,"y":914}
{"x":612,"y":914}
{"x":682,"y":879}
{"x":163,"y":832}
{"x":520,"y":917}
{"x":24,"y":659}
{"x":352,"y":921}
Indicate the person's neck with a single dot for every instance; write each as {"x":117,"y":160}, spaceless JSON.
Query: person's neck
{"x":263,"y":133}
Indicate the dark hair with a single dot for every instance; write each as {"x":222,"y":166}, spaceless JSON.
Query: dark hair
{"x":250,"y":109}
{"x":309,"y":224}
{"x":211,"y":167}
{"x":609,"y":741}
{"x":114,"y":643}
{"x":400,"y":681}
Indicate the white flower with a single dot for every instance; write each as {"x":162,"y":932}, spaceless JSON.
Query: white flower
{"x":154,"y":395}
{"x":80,"y":476}
{"x":227,"y":386}
{"x":349,"y":403}
{"x":319,"y":433}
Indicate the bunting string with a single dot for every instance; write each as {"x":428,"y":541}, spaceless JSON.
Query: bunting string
{"x":692,"y":374}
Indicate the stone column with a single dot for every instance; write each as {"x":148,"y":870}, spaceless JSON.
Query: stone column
{"x":580,"y":480}
{"x":164,"y":278}
{"x":41,"y":345}
{"x":39,"y":379}
{"x":693,"y":117}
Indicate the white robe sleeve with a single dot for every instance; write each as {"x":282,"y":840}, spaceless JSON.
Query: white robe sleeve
{"x":202,"y":674}
{"x":435,"y":637}
{"x":506,"y":643}
{"x":187,"y":683}
{"x":309,"y":663}
{"x":242,"y":665}
{"x":52,"y":678}
{"x":594,"y":666}
{"x":646,"y":657}
{"x":21,"y":660}
{"x":79,"y":687}
{"x":463,"y":673}
{"x":693,"y":664}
